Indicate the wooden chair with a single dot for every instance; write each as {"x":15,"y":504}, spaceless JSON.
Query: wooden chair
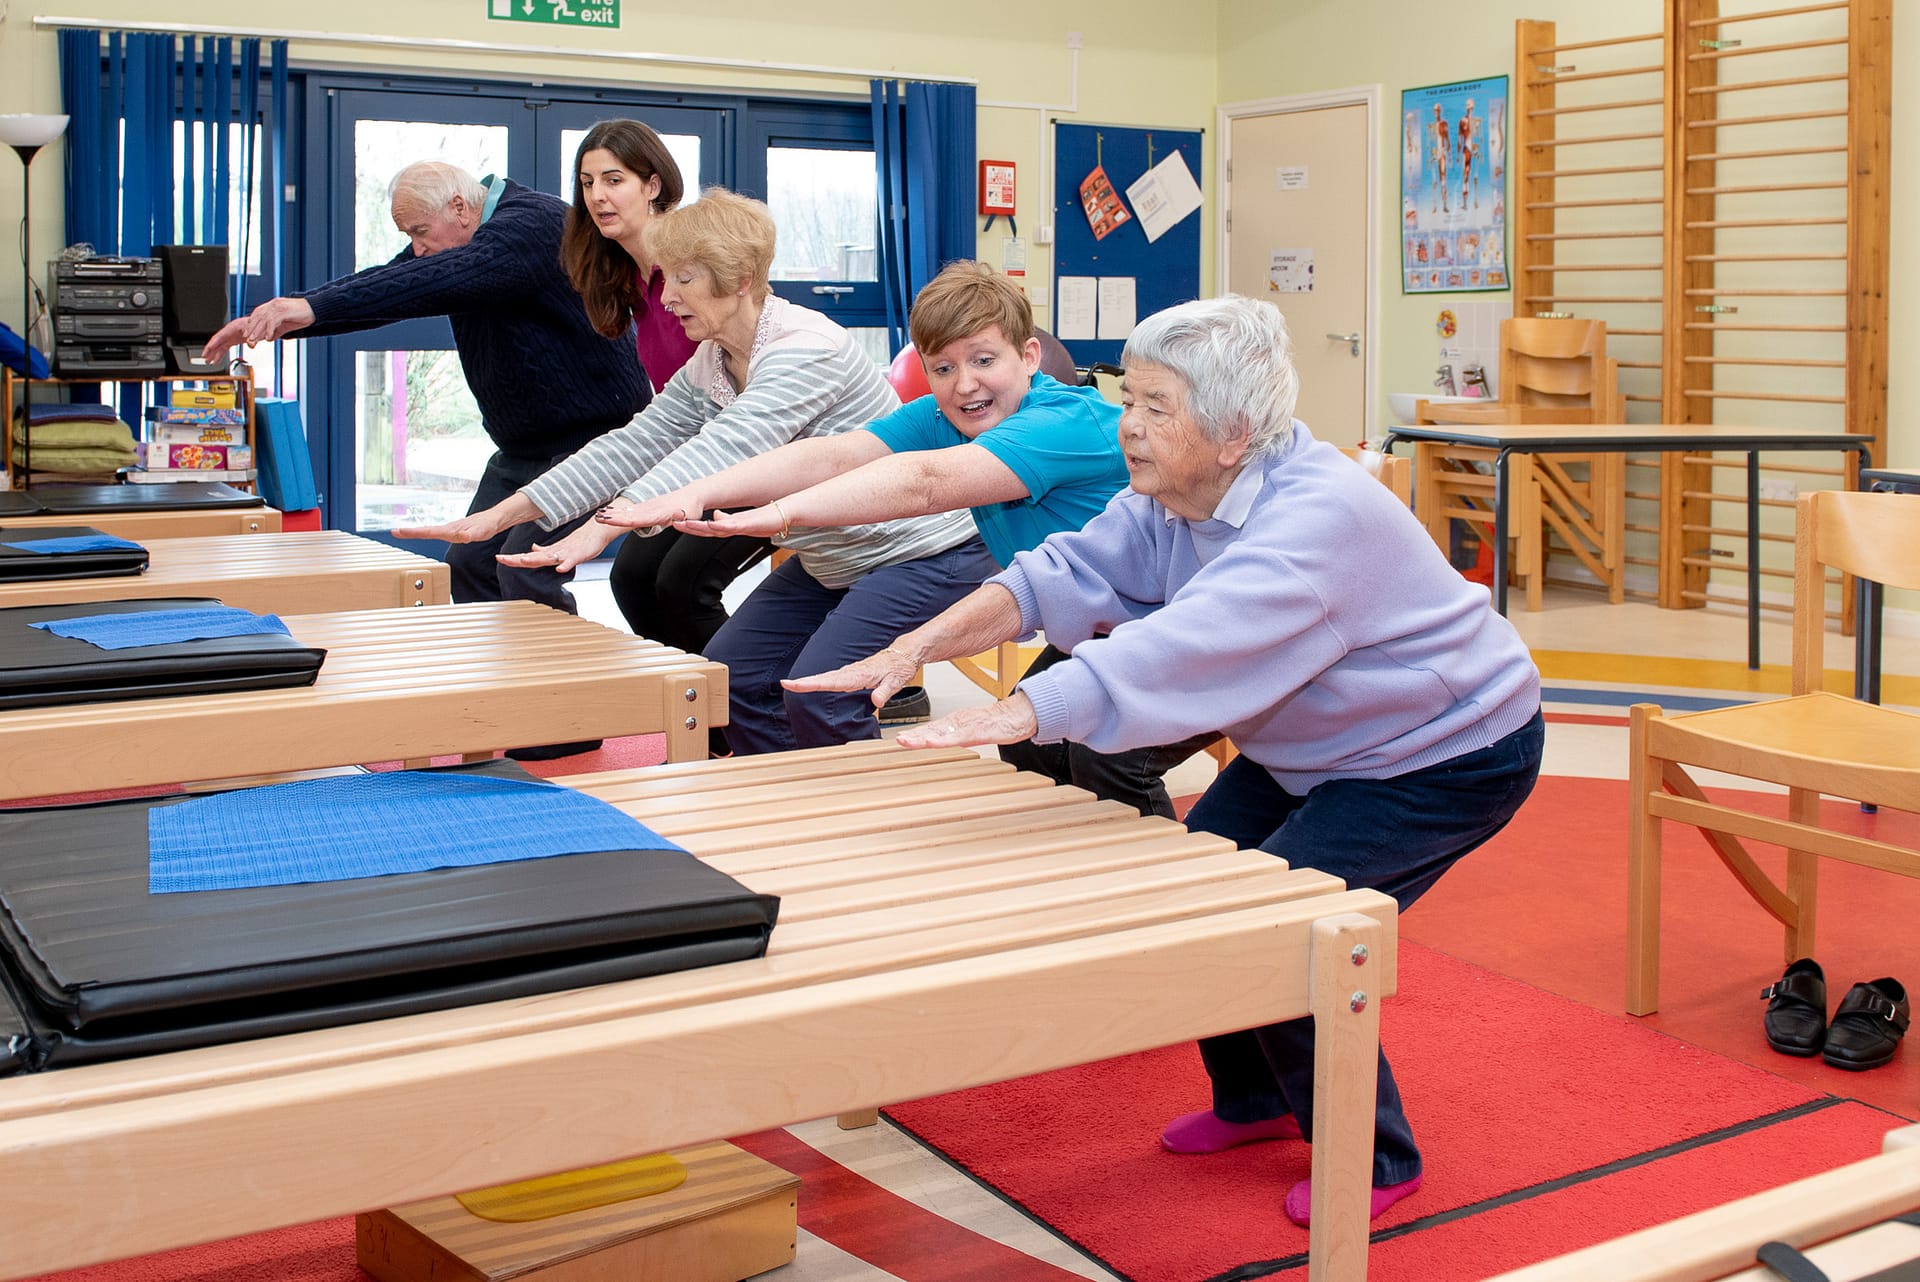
{"x":1552,"y":371}
{"x":1812,"y":743}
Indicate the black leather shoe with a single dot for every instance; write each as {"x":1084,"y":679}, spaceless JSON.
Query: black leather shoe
{"x":909,"y":706}
{"x":1868,"y":1025}
{"x":1797,"y":1015}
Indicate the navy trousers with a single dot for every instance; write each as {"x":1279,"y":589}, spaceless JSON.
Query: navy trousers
{"x":1396,"y":836}
{"x":792,"y":625}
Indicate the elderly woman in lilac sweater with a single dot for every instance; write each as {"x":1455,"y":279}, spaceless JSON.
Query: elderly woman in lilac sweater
{"x":1388,"y":720}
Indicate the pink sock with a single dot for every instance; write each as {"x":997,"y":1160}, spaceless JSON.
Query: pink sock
{"x":1300,"y":1199}
{"x":1202,"y":1132}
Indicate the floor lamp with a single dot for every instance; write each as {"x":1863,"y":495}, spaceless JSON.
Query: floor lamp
{"x":27,"y":134}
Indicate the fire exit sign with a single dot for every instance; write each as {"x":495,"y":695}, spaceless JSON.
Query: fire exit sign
{"x":563,"y":13}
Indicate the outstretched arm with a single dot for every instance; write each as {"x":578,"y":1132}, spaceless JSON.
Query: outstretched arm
{"x":476,"y":527}
{"x":756,"y":480}
{"x":978,"y":621}
{"x":273,"y":319}
{"x":916,"y":483}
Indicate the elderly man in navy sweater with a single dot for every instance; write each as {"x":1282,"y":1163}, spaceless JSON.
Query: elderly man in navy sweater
{"x":485,"y":254}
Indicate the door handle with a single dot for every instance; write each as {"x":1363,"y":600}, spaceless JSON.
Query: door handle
{"x":1352,"y":340}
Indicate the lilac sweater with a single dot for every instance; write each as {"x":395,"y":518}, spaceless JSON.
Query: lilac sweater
{"x":1311,"y":619}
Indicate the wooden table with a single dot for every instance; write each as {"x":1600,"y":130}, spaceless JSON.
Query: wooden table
{"x":1507,"y":439}
{"x":183,"y":523}
{"x":396,"y":685}
{"x":1841,"y":1208}
{"x":945,"y":922}
{"x":301,"y":572}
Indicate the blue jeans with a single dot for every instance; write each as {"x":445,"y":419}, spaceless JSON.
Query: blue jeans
{"x":1396,"y":836}
{"x":473,"y":572}
{"x":792,"y":625}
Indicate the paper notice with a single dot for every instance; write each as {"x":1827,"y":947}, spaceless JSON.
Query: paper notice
{"x":1164,"y":195}
{"x":1074,"y":318}
{"x":1116,"y":307}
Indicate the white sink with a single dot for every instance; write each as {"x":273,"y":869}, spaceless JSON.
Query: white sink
{"x":1400,"y":404}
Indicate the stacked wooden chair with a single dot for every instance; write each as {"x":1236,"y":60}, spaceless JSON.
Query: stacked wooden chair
{"x":1552,"y":370}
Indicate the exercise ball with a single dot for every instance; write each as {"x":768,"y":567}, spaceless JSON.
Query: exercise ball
{"x":908,"y":376}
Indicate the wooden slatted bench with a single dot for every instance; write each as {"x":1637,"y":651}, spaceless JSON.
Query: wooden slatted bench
{"x":179,"y":523}
{"x":1841,"y":1209}
{"x":395,"y":685}
{"x":945,"y":922}
{"x":296,"y":572}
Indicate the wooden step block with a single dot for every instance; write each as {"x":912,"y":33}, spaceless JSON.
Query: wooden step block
{"x":734,"y":1217}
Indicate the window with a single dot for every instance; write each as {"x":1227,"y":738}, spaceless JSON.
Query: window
{"x":814,"y":167}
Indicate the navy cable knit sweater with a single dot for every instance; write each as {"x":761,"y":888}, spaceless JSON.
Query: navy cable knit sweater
{"x":546,"y":383}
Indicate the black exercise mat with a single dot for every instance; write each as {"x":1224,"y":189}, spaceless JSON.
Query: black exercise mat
{"x":105,"y":970}
{"x":18,"y":565}
{"x":39,"y":669}
{"x":19,"y":503}
{"x":172,"y":496}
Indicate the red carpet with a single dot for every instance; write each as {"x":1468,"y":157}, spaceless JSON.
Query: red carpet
{"x":1546,"y":902}
{"x":1508,"y":1087}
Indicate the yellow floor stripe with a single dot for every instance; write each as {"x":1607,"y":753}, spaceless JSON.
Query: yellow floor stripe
{"x":1702,"y":674}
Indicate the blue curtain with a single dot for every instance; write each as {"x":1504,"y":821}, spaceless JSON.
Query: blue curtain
{"x":124,"y":200}
{"x":93,"y":144}
{"x":121,"y":199}
{"x":923,"y":142}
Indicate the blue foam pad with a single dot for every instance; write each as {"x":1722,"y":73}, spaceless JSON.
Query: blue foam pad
{"x":376,"y":825}
{"x":163,"y":627}
{"x":75,"y":543}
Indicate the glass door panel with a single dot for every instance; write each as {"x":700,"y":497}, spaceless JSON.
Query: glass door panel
{"x":394,"y":395}
{"x":418,"y":442}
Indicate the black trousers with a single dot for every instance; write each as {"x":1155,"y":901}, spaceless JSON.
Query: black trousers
{"x":1135,"y":777}
{"x":668,"y":585}
{"x":477,"y":576}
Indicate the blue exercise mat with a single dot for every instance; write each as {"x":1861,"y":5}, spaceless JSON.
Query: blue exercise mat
{"x":164,"y":627}
{"x":376,"y":825}
{"x":76,"y":543}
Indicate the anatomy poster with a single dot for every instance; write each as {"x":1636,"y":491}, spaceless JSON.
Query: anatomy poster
{"x":1453,"y":183}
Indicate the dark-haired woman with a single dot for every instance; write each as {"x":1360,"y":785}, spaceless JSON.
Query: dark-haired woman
{"x":668,"y":587}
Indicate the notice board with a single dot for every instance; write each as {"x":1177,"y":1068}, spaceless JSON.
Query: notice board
{"x":1162,"y":272}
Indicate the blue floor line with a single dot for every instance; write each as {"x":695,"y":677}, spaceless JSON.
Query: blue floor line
{"x":1627,"y":698}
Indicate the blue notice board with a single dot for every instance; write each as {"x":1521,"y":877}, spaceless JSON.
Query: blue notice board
{"x":1166,"y":271}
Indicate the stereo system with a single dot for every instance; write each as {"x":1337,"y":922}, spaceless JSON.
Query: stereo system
{"x":108,"y":317}
{"x":130,"y":317}
{"x":195,"y":278}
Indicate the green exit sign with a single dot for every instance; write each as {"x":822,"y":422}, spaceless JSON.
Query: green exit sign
{"x":564,"y":13}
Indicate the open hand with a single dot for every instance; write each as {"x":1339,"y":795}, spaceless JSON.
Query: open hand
{"x":653,"y":514}
{"x":883,"y":673}
{"x":1008,"y":721}
{"x":273,"y":319}
{"x":476,"y":528}
{"x":760,"y":522}
{"x":585,"y":543}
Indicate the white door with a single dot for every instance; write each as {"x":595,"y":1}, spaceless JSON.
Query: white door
{"x":1298,"y":232}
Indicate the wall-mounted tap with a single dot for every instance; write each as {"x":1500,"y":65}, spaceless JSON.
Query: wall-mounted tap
{"x":1475,"y":376}
{"x":1444,"y":380}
